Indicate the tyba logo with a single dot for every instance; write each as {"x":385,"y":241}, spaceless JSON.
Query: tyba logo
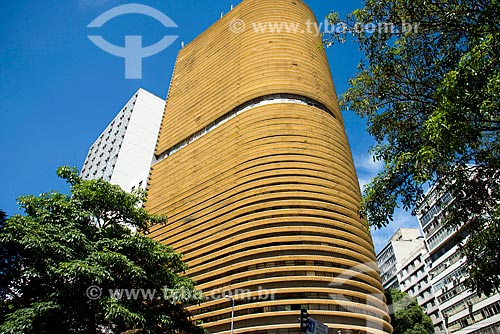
{"x":133,"y":51}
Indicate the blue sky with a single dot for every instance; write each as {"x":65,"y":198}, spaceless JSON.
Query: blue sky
{"x":58,"y":90}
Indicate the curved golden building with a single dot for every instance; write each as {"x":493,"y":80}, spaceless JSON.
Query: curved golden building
{"x":256,"y":177}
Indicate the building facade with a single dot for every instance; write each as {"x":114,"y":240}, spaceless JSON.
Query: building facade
{"x":391,"y":258}
{"x":403,"y":267}
{"x":462,"y":310}
{"x":256,"y":177}
{"x":414,"y":279}
{"x":124,"y":151}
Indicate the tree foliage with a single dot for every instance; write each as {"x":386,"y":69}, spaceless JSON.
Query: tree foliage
{"x":65,"y":245}
{"x":7,"y":265}
{"x":407,"y":317}
{"x":431,"y":97}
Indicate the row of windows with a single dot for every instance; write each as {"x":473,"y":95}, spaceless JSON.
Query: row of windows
{"x":431,"y":213}
{"x":270,"y":214}
{"x":484,"y":313}
{"x":449,"y":294}
{"x":316,"y":271}
{"x":449,"y":245}
{"x":453,"y":277}
{"x":385,"y":254}
{"x":339,"y":239}
{"x":289,"y":296}
{"x":456,"y":256}
{"x":100,"y":151}
{"x":387,"y":264}
{"x":425,"y":295}
{"x":104,"y":161}
{"x":388,"y":274}
{"x":268,"y":240}
{"x":264,"y":254}
{"x":435,"y":224}
{"x":272,"y":264}
{"x":441,"y":235}
{"x":415,"y":289}
{"x":493,"y":329}
{"x":411,"y":266}
{"x":428,"y":305}
{"x":416,"y":276}
{"x":467,"y":303}
{"x":273,"y":98}
{"x":394,"y":285}
{"x":293,"y":307}
{"x":435,"y":209}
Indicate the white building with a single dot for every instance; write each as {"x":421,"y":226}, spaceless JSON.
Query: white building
{"x":463,"y":311}
{"x":403,"y":243}
{"x":403,"y":267}
{"x":414,"y":279}
{"x":124,"y":151}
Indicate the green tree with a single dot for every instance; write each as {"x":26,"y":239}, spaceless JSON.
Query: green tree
{"x":65,"y":245}
{"x":4,"y":260}
{"x":430,"y":90}
{"x":7,"y":265}
{"x":407,"y":317}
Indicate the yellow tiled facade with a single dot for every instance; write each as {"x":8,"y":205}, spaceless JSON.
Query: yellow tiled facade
{"x":257,"y":180}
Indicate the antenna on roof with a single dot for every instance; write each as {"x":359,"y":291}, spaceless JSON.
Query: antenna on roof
{"x":232,"y":6}
{"x":182,"y":44}
{"x":221,"y":14}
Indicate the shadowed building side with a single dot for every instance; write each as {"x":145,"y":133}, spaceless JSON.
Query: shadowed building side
{"x":256,"y":177}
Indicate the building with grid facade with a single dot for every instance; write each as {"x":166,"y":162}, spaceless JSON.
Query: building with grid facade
{"x":463,"y":311}
{"x":124,"y":151}
{"x":404,"y":266}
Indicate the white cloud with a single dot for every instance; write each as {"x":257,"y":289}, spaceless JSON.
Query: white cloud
{"x":366,"y":168}
{"x":365,"y":164}
{"x":363,"y":182}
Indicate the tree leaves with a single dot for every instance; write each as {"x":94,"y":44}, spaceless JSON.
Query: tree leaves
{"x":431,"y":98}
{"x":65,"y":245}
{"x":407,"y":317}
